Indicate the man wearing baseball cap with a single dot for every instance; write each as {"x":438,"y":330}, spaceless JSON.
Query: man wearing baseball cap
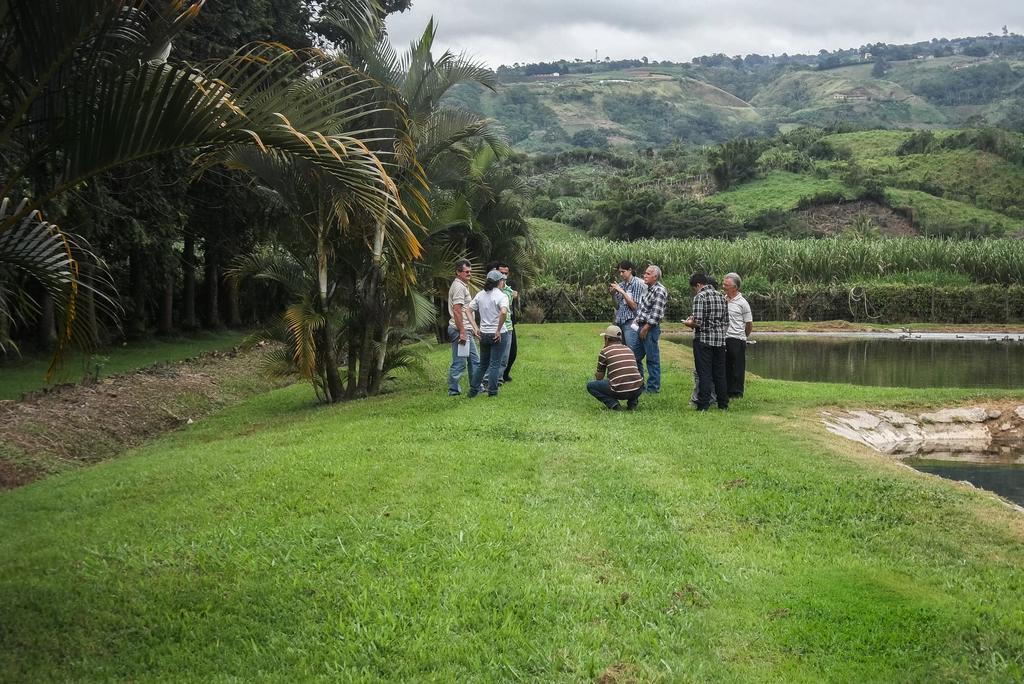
{"x":624,"y":381}
{"x":492,"y":305}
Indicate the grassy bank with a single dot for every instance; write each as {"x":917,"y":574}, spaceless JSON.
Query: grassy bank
{"x":531,"y":536}
{"x":27,"y":374}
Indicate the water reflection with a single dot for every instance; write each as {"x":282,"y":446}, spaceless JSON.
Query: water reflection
{"x":889,"y":362}
{"x":1005,"y":479}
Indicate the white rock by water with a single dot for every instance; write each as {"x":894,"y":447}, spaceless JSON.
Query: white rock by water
{"x":956,"y":415}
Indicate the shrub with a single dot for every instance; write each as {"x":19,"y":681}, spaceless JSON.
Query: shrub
{"x":734,"y":162}
{"x":919,"y":142}
{"x":867,"y":302}
{"x":683,"y":217}
{"x":589,"y":138}
{"x":543,"y":207}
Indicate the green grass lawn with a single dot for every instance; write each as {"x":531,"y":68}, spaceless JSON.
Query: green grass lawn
{"x":529,"y":536}
{"x":24,"y":375}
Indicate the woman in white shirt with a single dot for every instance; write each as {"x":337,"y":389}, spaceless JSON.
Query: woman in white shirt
{"x":492,"y":306}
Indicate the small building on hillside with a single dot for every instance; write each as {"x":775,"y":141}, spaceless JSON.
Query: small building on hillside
{"x":856,"y":94}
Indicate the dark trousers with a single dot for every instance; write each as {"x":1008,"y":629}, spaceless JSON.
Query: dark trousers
{"x":735,"y":365}
{"x":511,"y":354}
{"x":710,"y":363}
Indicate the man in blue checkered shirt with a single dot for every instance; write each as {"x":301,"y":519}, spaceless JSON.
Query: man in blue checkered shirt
{"x":627,"y":295}
{"x":709,"y":320}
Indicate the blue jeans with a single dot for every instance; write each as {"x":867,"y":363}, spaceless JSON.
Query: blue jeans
{"x":648,"y":348}
{"x":508,"y":350}
{"x":459,"y":362}
{"x":602,"y":391}
{"x":631,"y":338}
{"x":492,"y":360}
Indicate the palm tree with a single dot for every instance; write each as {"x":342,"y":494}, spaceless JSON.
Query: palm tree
{"x":477,"y":214}
{"x":86,"y":87}
{"x":414,"y":84}
{"x":326,"y":217}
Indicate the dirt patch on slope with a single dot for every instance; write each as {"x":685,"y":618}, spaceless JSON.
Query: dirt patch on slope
{"x":70,"y":426}
{"x":833,"y":219}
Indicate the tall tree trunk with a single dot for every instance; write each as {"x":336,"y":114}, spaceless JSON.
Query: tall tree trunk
{"x":234,"y":305}
{"x":335,"y":389}
{"x":48,"y":323}
{"x":188,"y":290}
{"x":352,"y":367}
{"x":329,"y":353}
{"x":212,"y":291}
{"x":352,"y":364}
{"x":139,"y":286}
{"x":441,"y":325}
{"x":365,"y":360}
{"x":5,"y":322}
{"x":370,"y":307}
{"x":378,"y":370}
{"x":87,"y":307}
{"x":166,"y":325}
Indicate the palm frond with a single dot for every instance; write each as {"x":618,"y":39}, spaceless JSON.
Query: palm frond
{"x":303,"y":322}
{"x":53,"y":258}
{"x":40,"y":39}
{"x":298,"y":278}
{"x":358,"y":20}
{"x":450,"y":126}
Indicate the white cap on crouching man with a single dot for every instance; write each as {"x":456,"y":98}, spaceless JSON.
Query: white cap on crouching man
{"x":612,"y":332}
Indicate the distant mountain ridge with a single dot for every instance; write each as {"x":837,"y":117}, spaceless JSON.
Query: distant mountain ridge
{"x":635,"y":103}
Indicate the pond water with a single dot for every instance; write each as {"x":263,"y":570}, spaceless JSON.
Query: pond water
{"x":910,"y":361}
{"x":997,"y":472}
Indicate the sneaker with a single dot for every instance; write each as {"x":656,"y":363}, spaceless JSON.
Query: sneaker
{"x":615,"y":407}
{"x":506,"y":379}
{"x":631,"y":404}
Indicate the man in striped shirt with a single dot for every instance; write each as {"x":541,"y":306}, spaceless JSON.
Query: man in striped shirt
{"x":624,"y":379}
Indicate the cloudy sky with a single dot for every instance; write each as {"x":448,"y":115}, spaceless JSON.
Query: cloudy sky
{"x":506,"y":31}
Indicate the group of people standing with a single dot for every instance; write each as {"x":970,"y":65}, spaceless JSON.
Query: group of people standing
{"x":721,"y":321}
{"x":630,"y":361}
{"x":489,"y":367}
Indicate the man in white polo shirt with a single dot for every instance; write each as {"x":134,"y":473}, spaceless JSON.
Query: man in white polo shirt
{"x":741,"y":323}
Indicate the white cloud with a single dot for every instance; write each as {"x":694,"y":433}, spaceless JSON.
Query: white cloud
{"x":531,"y":30}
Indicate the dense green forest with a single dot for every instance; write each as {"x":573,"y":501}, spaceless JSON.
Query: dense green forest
{"x":191,"y":165}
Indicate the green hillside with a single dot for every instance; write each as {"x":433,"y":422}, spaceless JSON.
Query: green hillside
{"x":968,"y":175}
{"x":776,"y":191}
{"x":635,"y":108}
{"x":654,"y":105}
{"x":848,"y":94}
{"x":953,"y":183}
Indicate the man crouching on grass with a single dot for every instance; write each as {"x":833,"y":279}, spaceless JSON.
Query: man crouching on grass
{"x":624,"y":379}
